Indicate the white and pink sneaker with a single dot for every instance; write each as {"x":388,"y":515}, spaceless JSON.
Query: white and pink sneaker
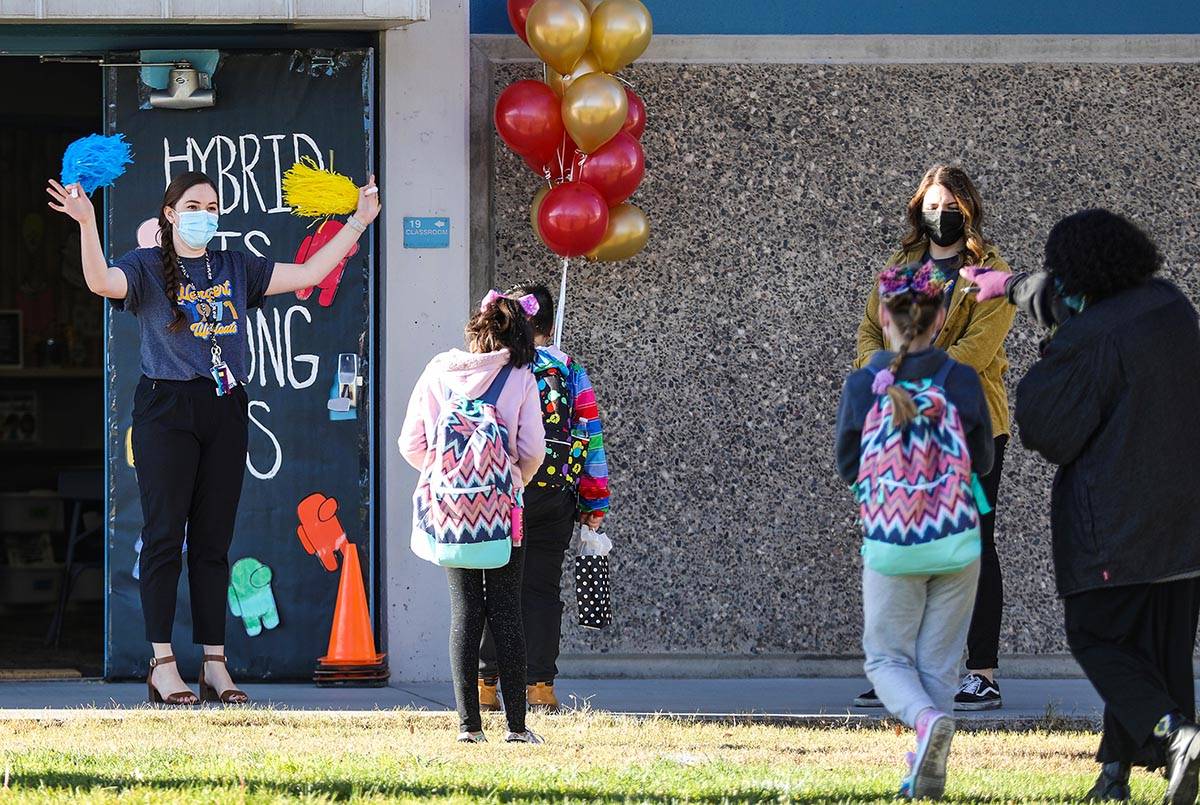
{"x":927,"y":765}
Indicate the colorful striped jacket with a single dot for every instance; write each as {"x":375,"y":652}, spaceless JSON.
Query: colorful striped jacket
{"x":593,"y":486}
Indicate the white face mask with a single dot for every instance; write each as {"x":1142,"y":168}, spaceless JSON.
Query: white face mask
{"x":196,"y":227}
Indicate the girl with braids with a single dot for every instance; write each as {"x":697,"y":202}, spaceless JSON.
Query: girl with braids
{"x":916,"y":616}
{"x":190,"y":408}
{"x":945,"y":220}
{"x":495,"y":369}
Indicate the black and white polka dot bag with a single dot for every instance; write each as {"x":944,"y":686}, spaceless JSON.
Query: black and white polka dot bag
{"x":593,"y":595}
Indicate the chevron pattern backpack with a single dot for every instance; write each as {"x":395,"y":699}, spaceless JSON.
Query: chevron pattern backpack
{"x":916,"y":492}
{"x":463,"y":506}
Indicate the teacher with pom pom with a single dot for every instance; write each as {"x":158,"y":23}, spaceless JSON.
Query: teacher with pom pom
{"x":190,"y":421}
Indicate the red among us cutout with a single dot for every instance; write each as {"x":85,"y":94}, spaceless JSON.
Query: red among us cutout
{"x":310,"y":246}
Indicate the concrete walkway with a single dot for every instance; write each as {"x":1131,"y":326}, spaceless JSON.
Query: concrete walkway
{"x":827,"y":700}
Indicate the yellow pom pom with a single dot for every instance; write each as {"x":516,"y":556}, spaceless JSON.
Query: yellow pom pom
{"x":315,"y":193}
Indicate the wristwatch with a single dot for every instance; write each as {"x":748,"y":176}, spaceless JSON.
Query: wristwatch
{"x":356,"y":225}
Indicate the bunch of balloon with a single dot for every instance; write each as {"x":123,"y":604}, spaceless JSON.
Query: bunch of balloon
{"x":580,"y":127}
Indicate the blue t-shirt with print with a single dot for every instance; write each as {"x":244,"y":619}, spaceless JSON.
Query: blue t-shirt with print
{"x":239,"y":284}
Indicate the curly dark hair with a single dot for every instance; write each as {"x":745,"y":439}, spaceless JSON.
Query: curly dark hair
{"x":1097,"y":253}
{"x":543,"y":320}
{"x":502,"y":325}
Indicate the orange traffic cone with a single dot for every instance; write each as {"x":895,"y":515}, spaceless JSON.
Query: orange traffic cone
{"x":351,"y":658}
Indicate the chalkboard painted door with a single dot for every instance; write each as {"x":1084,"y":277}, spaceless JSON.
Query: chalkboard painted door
{"x":271,"y":109}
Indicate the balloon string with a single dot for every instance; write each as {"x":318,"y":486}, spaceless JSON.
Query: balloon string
{"x":562,"y":149}
{"x":623,"y":81}
{"x":562,"y":305}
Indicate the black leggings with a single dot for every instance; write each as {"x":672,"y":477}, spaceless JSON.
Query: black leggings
{"x":189,"y":449}
{"x":492,"y":597}
{"x":983,"y":639}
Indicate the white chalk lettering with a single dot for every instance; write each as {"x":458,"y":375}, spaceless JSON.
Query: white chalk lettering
{"x":228,"y":201}
{"x":248,"y":180}
{"x":267,"y":347}
{"x":271,"y":473}
{"x":312,"y":360}
{"x":279,"y":205}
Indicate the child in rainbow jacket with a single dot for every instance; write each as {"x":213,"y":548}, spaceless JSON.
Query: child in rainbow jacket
{"x":913,"y":434}
{"x":570,"y":487}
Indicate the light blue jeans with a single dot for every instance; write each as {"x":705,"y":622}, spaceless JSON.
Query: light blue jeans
{"x":914,"y":632}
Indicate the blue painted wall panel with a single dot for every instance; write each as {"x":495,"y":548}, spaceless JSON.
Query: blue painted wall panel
{"x":898,"y":17}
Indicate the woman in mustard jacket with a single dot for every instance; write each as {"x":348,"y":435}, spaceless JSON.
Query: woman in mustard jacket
{"x":945,"y":217}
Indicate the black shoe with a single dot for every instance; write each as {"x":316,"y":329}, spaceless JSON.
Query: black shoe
{"x":868,"y":699}
{"x":1183,"y":764}
{"x":977,"y":693}
{"x":1112,"y":785}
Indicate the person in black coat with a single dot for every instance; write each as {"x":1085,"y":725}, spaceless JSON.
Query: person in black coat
{"x":1113,"y":402}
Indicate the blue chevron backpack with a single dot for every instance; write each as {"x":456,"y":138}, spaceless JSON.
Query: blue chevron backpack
{"x":918,"y":500}
{"x":464,"y":502}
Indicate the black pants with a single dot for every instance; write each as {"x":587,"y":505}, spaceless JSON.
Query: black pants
{"x":1135,"y":645}
{"x":983,"y":639}
{"x":491,"y":597}
{"x":189,"y":448}
{"x":549,"y":522}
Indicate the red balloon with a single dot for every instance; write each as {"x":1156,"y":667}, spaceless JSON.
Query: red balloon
{"x":518,"y":12}
{"x":635,"y":122}
{"x":573,"y":219}
{"x":529,"y":119}
{"x":615,"y":168}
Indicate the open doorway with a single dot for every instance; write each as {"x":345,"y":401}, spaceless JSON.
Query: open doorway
{"x":51,"y":386}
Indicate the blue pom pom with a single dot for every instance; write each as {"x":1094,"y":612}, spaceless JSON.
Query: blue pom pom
{"x":95,"y":161}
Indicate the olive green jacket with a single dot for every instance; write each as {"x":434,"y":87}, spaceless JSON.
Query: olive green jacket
{"x":974,"y":333}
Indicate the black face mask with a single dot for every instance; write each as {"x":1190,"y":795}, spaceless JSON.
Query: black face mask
{"x":944,"y":227}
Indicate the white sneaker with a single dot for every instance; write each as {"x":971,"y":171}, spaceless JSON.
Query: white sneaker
{"x":526,"y":737}
{"x":472,"y":738}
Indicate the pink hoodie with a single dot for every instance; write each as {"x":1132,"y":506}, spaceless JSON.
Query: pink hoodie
{"x":470,"y":374}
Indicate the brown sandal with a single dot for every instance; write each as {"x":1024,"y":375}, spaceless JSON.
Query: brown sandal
{"x":208,"y":694}
{"x":182,"y":699}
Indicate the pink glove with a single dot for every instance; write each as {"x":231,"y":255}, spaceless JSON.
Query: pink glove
{"x":991,"y":284}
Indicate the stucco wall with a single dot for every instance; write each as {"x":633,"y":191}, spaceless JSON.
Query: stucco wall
{"x":775,"y":192}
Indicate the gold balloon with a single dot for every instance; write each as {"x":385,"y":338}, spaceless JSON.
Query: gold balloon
{"x":559,"y":83}
{"x":628,"y":231}
{"x":591,"y":4}
{"x":559,"y":32}
{"x":594,"y":109}
{"x":621,"y":30}
{"x":536,"y":207}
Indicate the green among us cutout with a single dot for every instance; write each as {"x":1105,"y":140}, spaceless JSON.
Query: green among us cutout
{"x":250,"y":596}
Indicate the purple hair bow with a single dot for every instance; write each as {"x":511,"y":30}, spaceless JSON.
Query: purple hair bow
{"x":528,"y":302}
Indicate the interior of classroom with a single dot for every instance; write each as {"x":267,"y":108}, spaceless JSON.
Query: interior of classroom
{"x":51,"y":385}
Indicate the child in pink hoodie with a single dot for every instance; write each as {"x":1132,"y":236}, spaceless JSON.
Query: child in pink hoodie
{"x":499,"y":335}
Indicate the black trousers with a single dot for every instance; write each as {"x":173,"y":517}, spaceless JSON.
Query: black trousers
{"x":491,"y":597}
{"x":983,"y":639}
{"x":1135,"y":645}
{"x":189,"y":448}
{"x":550,"y":516}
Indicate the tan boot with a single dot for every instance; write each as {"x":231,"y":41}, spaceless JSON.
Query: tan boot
{"x":541,"y":696}
{"x":489,"y":701}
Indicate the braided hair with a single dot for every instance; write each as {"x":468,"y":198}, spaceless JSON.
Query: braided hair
{"x":172,"y":275}
{"x":913,"y":298}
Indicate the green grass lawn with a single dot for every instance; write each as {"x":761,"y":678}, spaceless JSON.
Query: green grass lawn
{"x":254,"y":756}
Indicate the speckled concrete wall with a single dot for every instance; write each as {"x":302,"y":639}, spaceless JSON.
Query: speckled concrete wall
{"x":775,"y":191}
